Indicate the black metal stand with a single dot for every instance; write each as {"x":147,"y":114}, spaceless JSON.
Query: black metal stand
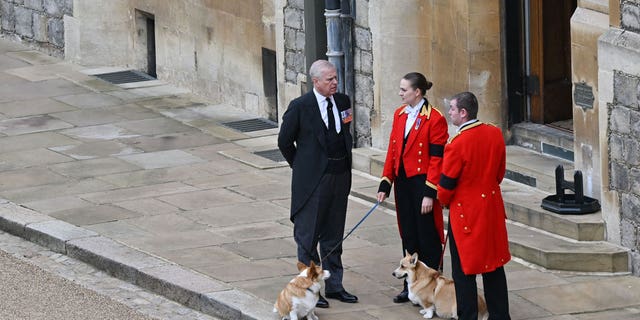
{"x":576,"y":203}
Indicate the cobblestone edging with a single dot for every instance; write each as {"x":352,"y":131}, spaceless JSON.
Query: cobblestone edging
{"x":160,"y":276}
{"x":98,"y":281}
{"x":38,"y":23}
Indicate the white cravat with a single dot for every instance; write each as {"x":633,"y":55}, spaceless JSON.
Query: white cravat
{"x":412,"y":114}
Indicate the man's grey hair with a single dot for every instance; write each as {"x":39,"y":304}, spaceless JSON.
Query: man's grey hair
{"x":318,"y":67}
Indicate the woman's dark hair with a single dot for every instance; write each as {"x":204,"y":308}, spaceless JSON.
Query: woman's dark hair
{"x":418,"y":81}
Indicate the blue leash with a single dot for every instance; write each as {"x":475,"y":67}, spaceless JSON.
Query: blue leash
{"x":353,"y":229}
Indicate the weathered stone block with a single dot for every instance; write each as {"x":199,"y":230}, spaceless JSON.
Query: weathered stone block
{"x":7,"y":12}
{"x":24,"y":22}
{"x":289,"y":38}
{"x":298,"y":4}
{"x":68,"y":8}
{"x":366,"y":62}
{"x":55,"y":8}
{"x":630,"y":16}
{"x":630,"y":207}
{"x":290,"y":76}
{"x":625,"y":89}
{"x":300,"y":40}
{"x":56,"y":32}
{"x":619,"y":120}
{"x":619,"y":177}
{"x":40,"y":27}
{"x":616,"y":147}
{"x":632,"y":152}
{"x":293,"y":18}
{"x":628,"y":234}
{"x":364,"y":94}
{"x":33,"y":4}
{"x":363,"y":39}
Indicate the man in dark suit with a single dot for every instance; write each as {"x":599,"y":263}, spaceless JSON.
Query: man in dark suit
{"x":315,"y":140}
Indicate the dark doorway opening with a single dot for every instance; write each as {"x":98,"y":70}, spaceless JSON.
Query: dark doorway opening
{"x":151,"y":46}
{"x":145,"y":43}
{"x":538,"y":56}
{"x":270,"y":83}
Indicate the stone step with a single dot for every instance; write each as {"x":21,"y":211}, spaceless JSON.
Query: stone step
{"x":535,"y":169}
{"x":557,"y":253}
{"x":552,"y":241}
{"x":543,"y":139}
{"x":523,"y":205}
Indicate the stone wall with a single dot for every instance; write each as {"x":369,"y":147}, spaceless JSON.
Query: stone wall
{"x":363,"y":75}
{"x":294,"y":39}
{"x":619,"y":85}
{"x":38,"y":23}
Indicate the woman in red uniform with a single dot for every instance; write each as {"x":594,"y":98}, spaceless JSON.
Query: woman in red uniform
{"x":413,"y":163}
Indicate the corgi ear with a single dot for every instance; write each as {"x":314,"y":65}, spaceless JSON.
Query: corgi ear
{"x":414,"y":258}
{"x":301,"y":266}
{"x":407,"y":254}
{"x":312,"y":264}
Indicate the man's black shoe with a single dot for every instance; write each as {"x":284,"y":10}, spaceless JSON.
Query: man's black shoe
{"x":343,"y":296}
{"x":322,"y":303}
{"x":402,"y":297}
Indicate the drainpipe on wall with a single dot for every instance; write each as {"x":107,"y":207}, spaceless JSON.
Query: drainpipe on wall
{"x":334,"y":42}
{"x":347,"y":17}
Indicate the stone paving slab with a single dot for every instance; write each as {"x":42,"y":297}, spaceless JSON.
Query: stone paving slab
{"x":16,"y":109}
{"x":32,"y":124}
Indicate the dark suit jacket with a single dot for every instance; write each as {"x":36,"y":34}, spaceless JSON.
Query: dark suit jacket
{"x":302,"y":142}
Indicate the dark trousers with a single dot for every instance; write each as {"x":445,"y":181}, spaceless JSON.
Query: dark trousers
{"x":418,"y":231}
{"x":321,"y":221}
{"x":495,"y":289}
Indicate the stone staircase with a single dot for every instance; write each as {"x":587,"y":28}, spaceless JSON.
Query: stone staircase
{"x":551,"y":241}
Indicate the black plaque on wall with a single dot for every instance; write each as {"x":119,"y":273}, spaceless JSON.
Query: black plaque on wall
{"x":583,"y":95}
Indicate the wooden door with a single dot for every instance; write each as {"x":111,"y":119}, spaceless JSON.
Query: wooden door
{"x":550,"y":60}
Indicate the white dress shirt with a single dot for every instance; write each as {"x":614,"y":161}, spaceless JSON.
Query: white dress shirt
{"x":322,"y":103}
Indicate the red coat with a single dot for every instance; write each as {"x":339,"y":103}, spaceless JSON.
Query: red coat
{"x":427,"y":137}
{"x":473,"y":167}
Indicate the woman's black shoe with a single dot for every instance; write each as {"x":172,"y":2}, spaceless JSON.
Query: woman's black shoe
{"x":402,"y":297}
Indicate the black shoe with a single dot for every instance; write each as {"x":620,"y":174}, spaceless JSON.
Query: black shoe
{"x":322,"y":303}
{"x":343,"y":296}
{"x":402,"y":297}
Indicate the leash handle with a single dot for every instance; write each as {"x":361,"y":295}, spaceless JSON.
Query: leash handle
{"x":442,"y":254}
{"x":352,"y":229}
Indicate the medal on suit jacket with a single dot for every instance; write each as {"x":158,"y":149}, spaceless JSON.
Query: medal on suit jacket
{"x":417,"y":124}
{"x":346,"y":116}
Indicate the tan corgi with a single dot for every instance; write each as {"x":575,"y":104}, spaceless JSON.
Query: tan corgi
{"x":431,"y":290}
{"x":299,"y":297}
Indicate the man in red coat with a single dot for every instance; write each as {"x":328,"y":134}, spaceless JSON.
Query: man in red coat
{"x":472,"y":169}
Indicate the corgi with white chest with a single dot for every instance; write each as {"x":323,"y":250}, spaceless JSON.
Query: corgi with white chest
{"x":299,"y":297}
{"x":431,"y":290}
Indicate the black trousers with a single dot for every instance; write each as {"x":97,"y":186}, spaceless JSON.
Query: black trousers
{"x":321,"y":221}
{"x":418,"y":231}
{"x":495,"y":289}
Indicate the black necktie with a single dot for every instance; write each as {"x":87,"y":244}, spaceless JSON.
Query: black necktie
{"x":332,"y":121}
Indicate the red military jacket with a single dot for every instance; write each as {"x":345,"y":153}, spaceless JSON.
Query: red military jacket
{"x":422,"y":152}
{"x":473,"y":167}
